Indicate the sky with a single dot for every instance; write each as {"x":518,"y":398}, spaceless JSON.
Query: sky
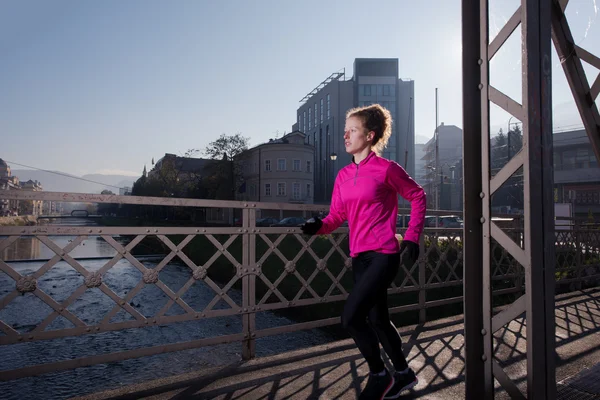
{"x":105,"y":86}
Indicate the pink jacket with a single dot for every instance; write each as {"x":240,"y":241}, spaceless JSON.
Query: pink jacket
{"x":367,"y":196}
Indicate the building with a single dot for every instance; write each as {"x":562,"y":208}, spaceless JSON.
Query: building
{"x":125,"y":191}
{"x":8,"y":182}
{"x":50,"y":208}
{"x":420,"y":164}
{"x":439,"y":172}
{"x":281,"y":170}
{"x":31,"y":207}
{"x":322,"y":116}
{"x":576,"y":172}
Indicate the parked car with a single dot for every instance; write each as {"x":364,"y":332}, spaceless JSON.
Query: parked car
{"x":429,"y":221}
{"x":290,"y":221}
{"x":268,"y":221}
{"x":451,"y":221}
{"x":402,"y":221}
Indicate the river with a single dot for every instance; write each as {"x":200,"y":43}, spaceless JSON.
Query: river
{"x":25,"y":312}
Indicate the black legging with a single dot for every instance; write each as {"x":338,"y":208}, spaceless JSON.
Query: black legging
{"x":373,"y":273}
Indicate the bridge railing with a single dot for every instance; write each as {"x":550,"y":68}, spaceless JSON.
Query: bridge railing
{"x":244,"y":271}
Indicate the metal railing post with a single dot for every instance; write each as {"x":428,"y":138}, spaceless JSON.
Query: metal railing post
{"x":249,"y":283}
{"x":422,"y":280}
{"x":578,"y":253}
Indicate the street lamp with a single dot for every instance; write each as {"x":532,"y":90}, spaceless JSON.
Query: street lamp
{"x":333,"y":157}
{"x":433,"y":182}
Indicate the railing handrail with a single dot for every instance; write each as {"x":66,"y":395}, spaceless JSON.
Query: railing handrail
{"x":73,"y":197}
{"x":68,"y":197}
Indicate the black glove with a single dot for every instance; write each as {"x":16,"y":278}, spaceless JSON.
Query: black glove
{"x":409,"y":251}
{"x":312,"y":226}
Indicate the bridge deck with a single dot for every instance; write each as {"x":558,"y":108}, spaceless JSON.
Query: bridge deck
{"x":436,"y":352}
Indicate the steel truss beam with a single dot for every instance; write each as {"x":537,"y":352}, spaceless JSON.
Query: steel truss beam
{"x":570,"y":56}
{"x":538,"y":18}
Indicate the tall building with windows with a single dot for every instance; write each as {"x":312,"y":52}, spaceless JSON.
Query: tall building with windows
{"x":576,"y":172}
{"x":322,"y":116}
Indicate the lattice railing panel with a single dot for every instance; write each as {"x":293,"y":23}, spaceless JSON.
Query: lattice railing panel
{"x":115,"y":307}
{"x":443,"y":255}
{"x":299,"y":270}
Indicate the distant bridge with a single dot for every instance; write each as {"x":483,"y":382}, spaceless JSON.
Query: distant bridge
{"x":74,"y":214}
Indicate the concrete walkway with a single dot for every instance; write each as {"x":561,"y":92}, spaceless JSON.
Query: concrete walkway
{"x":436,"y":353}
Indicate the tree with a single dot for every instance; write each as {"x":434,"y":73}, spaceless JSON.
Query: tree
{"x":225,"y":174}
{"x":190,"y":153}
{"x":511,"y":192}
{"x":227,"y":146}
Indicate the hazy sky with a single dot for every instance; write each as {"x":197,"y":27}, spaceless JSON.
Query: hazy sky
{"x":104,"y":86}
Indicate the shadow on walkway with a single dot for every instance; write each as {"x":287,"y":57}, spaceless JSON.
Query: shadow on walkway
{"x":338,"y":371}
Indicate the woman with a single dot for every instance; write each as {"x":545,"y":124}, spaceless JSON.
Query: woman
{"x":366,"y":195}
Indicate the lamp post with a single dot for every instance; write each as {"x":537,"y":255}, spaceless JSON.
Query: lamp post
{"x":453,"y":186}
{"x":508,"y":137}
{"x":433,"y":171}
{"x":432,"y":182}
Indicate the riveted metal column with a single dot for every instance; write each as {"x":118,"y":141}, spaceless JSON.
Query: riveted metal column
{"x":539,"y":199}
{"x":476,"y":280}
{"x":249,"y":282}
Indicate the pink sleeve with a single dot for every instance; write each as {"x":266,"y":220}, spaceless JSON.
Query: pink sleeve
{"x":337,"y":213}
{"x":404,"y":185}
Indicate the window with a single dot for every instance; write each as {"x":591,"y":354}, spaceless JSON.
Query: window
{"x":315,"y":115}
{"x":582,"y":158}
{"x":281,"y":164}
{"x":280,"y":188}
{"x":569,"y":159}
{"x":296,"y":191}
{"x":267,"y":189}
{"x":268,"y":165}
{"x":386,"y":90}
{"x":309,"y":118}
{"x":304,"y":122}
{"x":367,"y":90}
{"x":296,"y":166}
{"x":308,"y":195}
{"x":593,"y":161}
{"x":328,"y":106}
{"x":321,"y":110}
{"x":308,"y":166}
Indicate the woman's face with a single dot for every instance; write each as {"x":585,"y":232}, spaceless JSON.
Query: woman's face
{"x":356,"y":139}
